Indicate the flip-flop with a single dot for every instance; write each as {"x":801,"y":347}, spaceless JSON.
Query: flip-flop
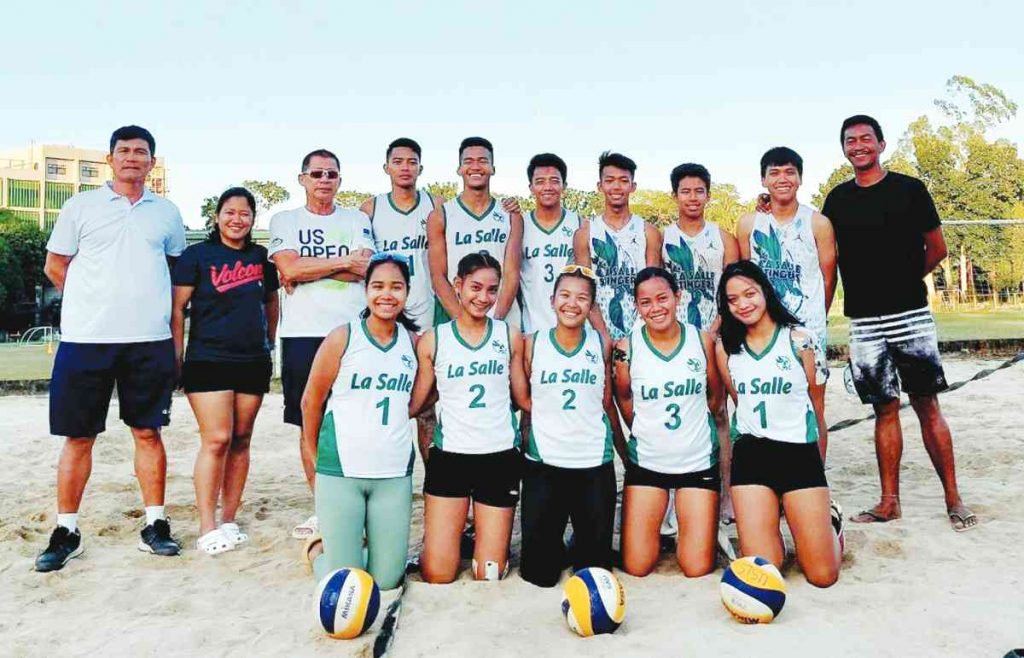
{"x":307,"y":561}
{"x":214,"y":543}
{"x":873,"y":517}
{"x":959,"y":522}
{"x":308,"y":528}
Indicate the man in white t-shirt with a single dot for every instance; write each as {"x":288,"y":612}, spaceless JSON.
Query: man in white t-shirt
{"x":321,"y":251}
{"x":109,"y":254}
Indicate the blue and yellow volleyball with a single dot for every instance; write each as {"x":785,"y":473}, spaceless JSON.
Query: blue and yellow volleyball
{"x":593,"y":602}
{"x":753,"y":590}
{"x":346,"y":604}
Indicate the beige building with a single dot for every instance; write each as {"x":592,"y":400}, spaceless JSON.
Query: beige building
{"x":36,"y":181}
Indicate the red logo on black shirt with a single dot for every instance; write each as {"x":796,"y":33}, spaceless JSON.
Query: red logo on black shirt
{"x":239,"y":275}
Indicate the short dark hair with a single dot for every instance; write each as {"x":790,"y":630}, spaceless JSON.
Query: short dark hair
{"x":231,"y":193}
{"x":403,"y":142}
{"x":470,"y":142}
{"x":577,"y":274}
{"x":320,"y":153}
{"x":861,"y":120}
{"x":652,"y":272}
{"x":546,"y":160}
{"x":617,"y":160}
{"x":732,"y":331}
{"x":477,"y":260}
{"x":689,"y":170}
{"x":124,"y":133}
{"x":779,"y":156}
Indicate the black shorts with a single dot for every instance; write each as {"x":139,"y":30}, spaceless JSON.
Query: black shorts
{"x":296,"y":361}
{"x":778,"y":465}
{"x":490,"y":479}
{"x":84,"y":376}
{"x":638,"y":476}
{"x":250,"y":377}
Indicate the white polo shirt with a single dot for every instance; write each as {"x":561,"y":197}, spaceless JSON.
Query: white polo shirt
{"x":315,"y":308}
{"x":118,"y":287}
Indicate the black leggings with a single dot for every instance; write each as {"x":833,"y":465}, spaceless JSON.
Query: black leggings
{"x":552,"y":496}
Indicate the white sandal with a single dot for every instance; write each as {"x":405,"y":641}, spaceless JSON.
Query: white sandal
{"x":307,"y":529}
{"x":233,"y":533}
{"x":214,"y":543}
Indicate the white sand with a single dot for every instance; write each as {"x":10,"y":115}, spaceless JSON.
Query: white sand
{"x":910,"y":588}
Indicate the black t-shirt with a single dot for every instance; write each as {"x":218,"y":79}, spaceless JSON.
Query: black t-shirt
{"x":880,"y":237}
{"x":228,"y":322}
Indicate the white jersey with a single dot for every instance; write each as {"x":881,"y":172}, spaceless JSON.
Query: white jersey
{"x":545,"y":253}
{"x":772,"y":399}
{"x":466,"y":233}
{"x":617,"y":257}
{"x":673,"y":430}
{"x":569,"y":427}
{"x":788,"y":254}
{"x":474,"y":407}
{"x":406,"y":233}
{"x":366,"y":432}
{"x":315,"y":308}
{"x":696,"y":263}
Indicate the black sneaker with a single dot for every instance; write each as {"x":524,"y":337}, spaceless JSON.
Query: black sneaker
{"x":64,"y":545}
{"x":156,"y":538}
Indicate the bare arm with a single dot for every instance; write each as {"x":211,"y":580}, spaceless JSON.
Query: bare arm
{"x":367,"y":207}
{"x":623,"y":382}
{"x":324,"y":371}
{"x":56,"y":269}
{"x":743,"y":228}
{"x":423,"y":387}
{"x":714,"y":378}
{"x":654,"y":239}
{"x":934,"y":250}
{"x":581,"y":256}
{"x":804,"y":346}
{"x":437,"y":254}
{"x":301,"y":269}
{"x":722,"y":362}
{"x":731,"y":247}
{"x":179,"y":301}
{"x":825,"y":240}
{"x":271,"y":308}
{"x":522,"y":398}
{"x":520,"y":385}
{"x":618,"y":438}
{"x":510,"y":270}
{"x":357,"y":274}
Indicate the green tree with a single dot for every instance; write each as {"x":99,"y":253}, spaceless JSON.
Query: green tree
{"x":10,"y":277}
{"x":268,"y":193}
{"x":658,"y":208}
{"x":28,"y":248}
{"x":351,"y":198}
{"x":584,"y":203}
{"x":725,"y":207}
{"x":447,"y":190}
{"x":208,"y":210}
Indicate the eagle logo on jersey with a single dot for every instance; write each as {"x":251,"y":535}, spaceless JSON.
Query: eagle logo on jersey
{"x":693,"y":365}
{"x":783,"y":363}
{"x":591,"y":357}
{"x":407,"y":361}
{"x":498,"y":347}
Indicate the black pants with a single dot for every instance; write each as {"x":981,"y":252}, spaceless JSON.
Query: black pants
{"x":551,"y":497}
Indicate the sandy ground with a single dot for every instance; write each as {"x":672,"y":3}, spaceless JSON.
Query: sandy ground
{"x":910,"y":588}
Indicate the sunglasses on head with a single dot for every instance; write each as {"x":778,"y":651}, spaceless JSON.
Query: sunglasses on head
{"x":581,"y":269}
{"x":329,"y":174}
{"x":389,"y":257}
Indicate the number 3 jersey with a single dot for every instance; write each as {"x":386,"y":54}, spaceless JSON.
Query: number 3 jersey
{"x":545,"y":253}
{"x":366,"y":432}
{"x":474,"y":407}
{"x":673,"y":430}
{"x":772,"y":400}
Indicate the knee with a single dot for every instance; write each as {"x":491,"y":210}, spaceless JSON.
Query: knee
{"x":79,"y":447}
{"x":436,"y":576}
{"x":146,"y":436}
{"x":823,"y":576}
{"x":217,"y":443}
{"x":240,"y":442}
{"x":926,"y":406}
{"x":888,"y":410}
{"x":637,"y":567}
{"x":696,"y":568}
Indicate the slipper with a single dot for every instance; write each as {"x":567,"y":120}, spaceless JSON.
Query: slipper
{"x":233,"y":533}
{"x":214,"y":543}
{"x":869,"y":516}
{"x":961,"y":522}
{"x":307,"y":561}
{"x":309,"y":528}
{"x":836,"y":512}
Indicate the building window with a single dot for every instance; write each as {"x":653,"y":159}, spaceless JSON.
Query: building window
{"x":56,"y":169}
{"x":86,"y":187}
{"x":27,"y":215}
{"x":90,"y":170}
{"x":23,"y":193}
{"x":49,"y":219}
{"x":57,"y":194}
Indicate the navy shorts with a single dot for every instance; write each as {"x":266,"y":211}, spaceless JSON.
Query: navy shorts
{"x":296,"y":362}
{"x":84,"y":375}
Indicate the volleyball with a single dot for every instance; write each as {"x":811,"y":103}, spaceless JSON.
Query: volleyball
{"x":347,"y":601}
{"x":593,"y":602}
{"x":753,"y":590}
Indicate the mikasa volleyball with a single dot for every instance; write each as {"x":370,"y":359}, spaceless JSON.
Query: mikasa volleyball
{"x":346,"y":603}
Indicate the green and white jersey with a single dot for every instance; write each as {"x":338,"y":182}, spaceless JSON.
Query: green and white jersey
{"x":466,"y":233}
{"x":545,"y":253}
{"x":696,"y":263}
{"x":569,"y":427}
{"x":673,"y":430}
{"x":366,"y":431}
{"x":406,"y":233}
{"x":772,"y":399}
{"x":617,"y":256}
{"x":788,"y":254}
{"x":474,"y":407}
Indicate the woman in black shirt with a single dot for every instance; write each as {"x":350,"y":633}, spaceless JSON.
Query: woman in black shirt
{"x":232,"y":289}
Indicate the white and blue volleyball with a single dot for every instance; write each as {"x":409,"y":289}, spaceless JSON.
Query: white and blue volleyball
{"x":753,"y":590}
{"x":347,"y":602}
{"x":593,"y":602}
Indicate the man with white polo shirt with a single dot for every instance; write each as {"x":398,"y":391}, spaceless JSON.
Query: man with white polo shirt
{"x":321,"y":251}
{"x":109,"y":254}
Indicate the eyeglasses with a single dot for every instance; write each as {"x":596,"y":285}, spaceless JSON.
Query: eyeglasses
{"x":581,"y":269}
{"x":329,"y":174}
{"x":390,"y":257}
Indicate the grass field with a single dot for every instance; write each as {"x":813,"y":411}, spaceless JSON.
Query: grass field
{"x":32,"y":361}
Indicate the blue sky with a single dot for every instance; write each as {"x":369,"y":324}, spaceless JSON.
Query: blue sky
{"x":241,"y":90}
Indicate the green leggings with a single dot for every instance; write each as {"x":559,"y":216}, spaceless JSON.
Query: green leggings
{"x":351,"y":508}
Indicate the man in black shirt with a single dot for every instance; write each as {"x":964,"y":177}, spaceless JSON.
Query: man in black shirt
{"x":889,"y":237}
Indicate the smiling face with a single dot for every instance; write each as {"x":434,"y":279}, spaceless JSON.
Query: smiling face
{"x":656,"y":303}
{"x":323,"y":189}
{"x":234,"y":221}
{"x":782,"y":182}
{"x":131,"y":161}
{"x":386,"y":291}
{"x":403,"y":167}
{"x":746,"y":300}
{"x":691,"y":197}
{"x":861,"y":146}
{"x":476,"y":168}
{"x":616,"y":185}
{"x":478,"y":291}
{"x":572,"y":301}
{"x":547,"y":187}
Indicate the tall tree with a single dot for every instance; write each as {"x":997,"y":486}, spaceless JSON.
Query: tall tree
{"x":208,"y":210}
{"x":28,"y":247}
{"x":447,"y":190}
{"x":268,"y":193}
{"x":725,"y":207}
{"x":351,"y":198}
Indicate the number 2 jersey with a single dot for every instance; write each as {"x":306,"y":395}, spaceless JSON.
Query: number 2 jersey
{"x":772,"y":399}
{"x":365,"y":432}
{"x":545,"y":253}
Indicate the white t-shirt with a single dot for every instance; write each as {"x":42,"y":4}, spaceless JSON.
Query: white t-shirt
{"x":315,"y":308}
{"x":118,"y":286}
